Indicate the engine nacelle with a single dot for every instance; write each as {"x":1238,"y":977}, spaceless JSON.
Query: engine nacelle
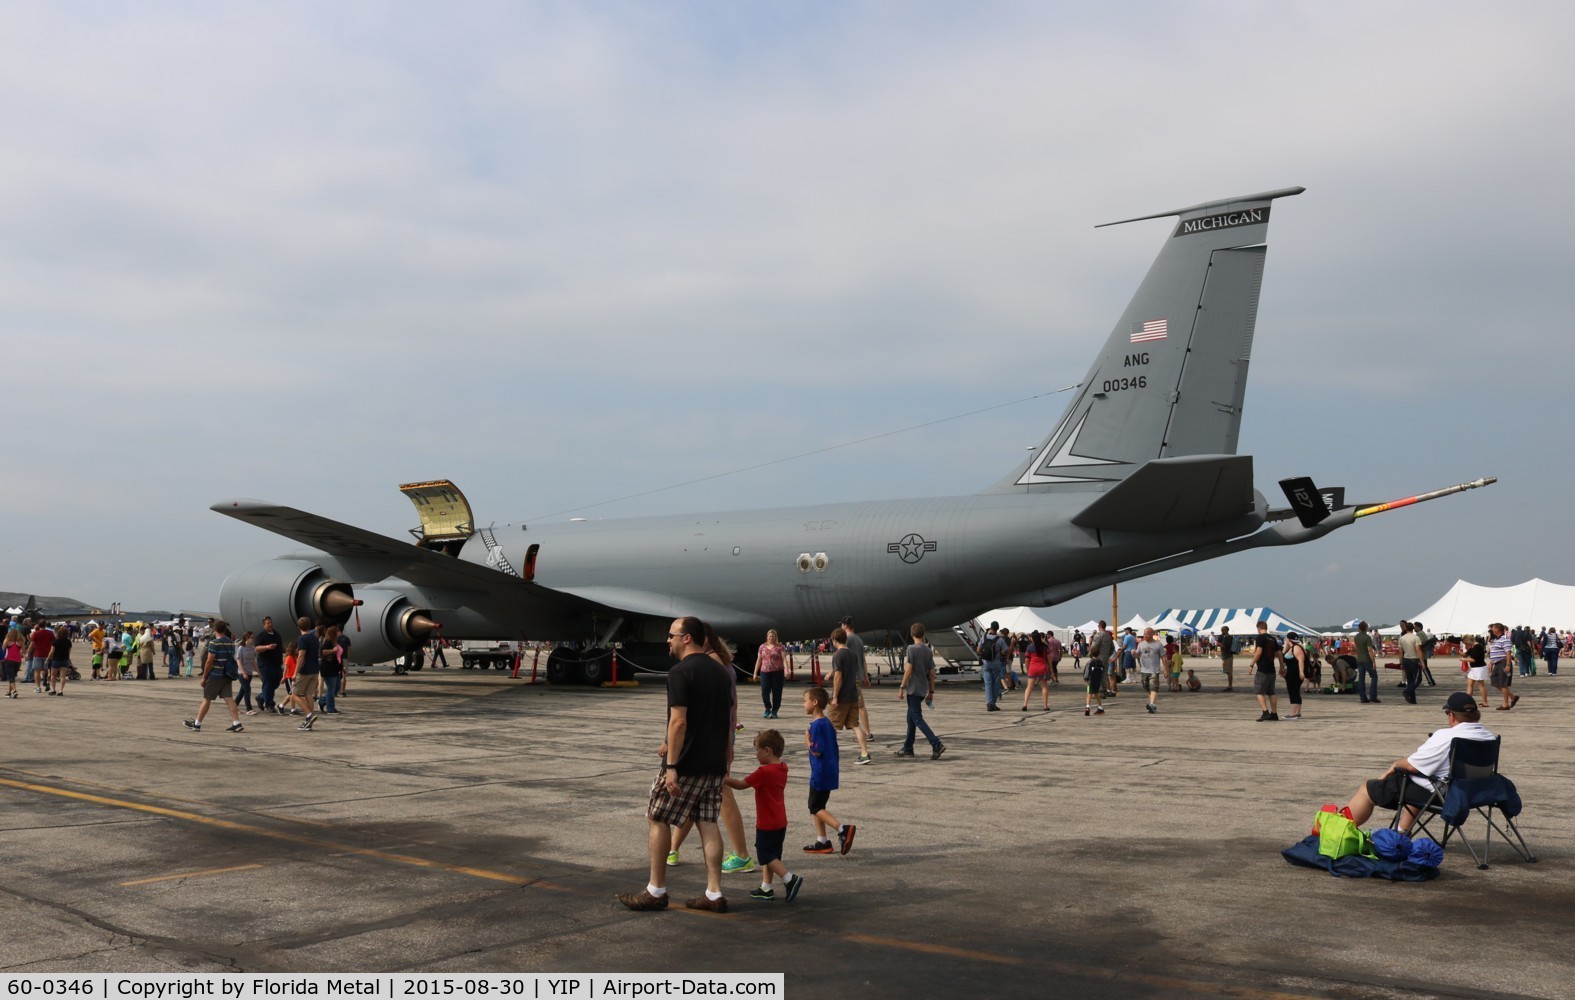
{"x":387,"y":626}
{"x":284,"y":590}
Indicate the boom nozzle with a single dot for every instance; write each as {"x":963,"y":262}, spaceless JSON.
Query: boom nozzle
{"x":1446,"y":491}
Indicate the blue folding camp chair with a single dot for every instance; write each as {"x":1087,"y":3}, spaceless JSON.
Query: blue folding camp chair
{"x":1473,"y":786}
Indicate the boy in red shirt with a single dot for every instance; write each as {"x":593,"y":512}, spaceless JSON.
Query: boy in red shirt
{"x":769,"y":781}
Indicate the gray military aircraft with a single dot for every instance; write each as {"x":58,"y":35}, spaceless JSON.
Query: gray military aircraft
{"x":1139,"y":476}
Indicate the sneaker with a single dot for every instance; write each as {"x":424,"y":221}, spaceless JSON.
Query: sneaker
{"x":709,"y":904}
{"x":766,"y":714}
{"x":1152,"y":708}
{"x":935,"y":754}
{"x":792,"y":886}
{"x":304,"y":727}
{"x":759,"y":893}
{"x":193,"y":725}
{"x":672,"y":859}
{"x":864,"y":759}
{"x":820,"y":847}
{"x":1087,"y":710}
{"x":737,"y":729}
{"x":992,"y":708}
{"x":251,"y":711}
{"x":1293,"y":718}
{"x":1273,"y":717}
{"x":643,"y":900}
{"x":902,"y":753}
{"x":235,"y":727}
{"x":846,"y":836}
{"x":1263,"y":717}
{"x":1099,"y":710}
{"x":733,"y":863}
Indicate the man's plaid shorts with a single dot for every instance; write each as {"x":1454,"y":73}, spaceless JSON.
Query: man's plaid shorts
{"x":699,"y":796}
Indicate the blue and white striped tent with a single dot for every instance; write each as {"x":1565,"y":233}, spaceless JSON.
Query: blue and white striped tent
{"x":1240,"y":621}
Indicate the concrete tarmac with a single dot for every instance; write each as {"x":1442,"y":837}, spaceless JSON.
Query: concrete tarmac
{"x":465,"y":821}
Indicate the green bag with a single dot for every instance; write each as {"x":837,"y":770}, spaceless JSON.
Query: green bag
{"x":1338,"y":837}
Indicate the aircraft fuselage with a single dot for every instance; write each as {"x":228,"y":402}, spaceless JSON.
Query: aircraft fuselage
{"x":799,"y":569}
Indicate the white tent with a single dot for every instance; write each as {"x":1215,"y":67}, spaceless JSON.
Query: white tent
{"x":1240,"y":621}
{"x":1018,"y":619}
{"x":1467,"y":607}
{"x":1136,"y":623}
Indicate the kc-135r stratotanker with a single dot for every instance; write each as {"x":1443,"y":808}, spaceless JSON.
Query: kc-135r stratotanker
{"x":1139,"y":476}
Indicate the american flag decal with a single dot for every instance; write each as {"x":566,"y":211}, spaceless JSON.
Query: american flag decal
{"x":1154,"y":329}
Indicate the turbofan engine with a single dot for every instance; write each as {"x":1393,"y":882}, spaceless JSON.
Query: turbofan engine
{"x":386,"y":626}
{"x":284,"y":590}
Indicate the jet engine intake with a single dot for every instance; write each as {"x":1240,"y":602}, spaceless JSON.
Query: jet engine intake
{"x":284,"y":590}
{"x":387,"y":626}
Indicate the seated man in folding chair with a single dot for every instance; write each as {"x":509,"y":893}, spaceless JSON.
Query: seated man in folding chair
{"x":1400,"y":784}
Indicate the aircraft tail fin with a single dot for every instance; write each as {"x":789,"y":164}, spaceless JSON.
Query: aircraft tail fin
{"x":1173,"y":373}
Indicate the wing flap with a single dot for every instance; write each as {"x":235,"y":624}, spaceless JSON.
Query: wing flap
{"x":1169,"y":494}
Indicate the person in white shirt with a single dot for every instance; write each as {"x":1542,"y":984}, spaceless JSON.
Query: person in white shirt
{"x":1400,"y":785}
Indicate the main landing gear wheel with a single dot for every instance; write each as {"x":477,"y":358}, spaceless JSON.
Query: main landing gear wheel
{"x":596,"y":666}
{"x":563,"y":667}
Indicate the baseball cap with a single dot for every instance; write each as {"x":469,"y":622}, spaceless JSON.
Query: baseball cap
{"x":1460,"y":703}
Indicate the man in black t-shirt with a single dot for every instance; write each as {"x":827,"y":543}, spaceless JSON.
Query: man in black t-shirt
{"x":270,"y":664}
{"x":1265,"y":663}
{"x":695,"y":757}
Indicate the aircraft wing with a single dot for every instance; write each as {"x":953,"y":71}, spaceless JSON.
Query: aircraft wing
{"x":1169,"y":494}
{"x":409,"y":562}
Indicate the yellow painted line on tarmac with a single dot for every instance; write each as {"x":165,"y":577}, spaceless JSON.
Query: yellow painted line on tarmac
{"x":209,"y":871}
{"x":295,"y":838}
{"x":1186,"y":985}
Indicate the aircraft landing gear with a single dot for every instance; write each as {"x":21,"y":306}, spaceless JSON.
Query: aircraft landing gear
{"x":563,"y":666}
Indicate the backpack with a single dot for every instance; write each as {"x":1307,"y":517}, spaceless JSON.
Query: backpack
{"x":989,"y":648}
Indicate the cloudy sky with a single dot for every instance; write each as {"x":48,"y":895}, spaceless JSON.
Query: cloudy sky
{"x":565,"y":253}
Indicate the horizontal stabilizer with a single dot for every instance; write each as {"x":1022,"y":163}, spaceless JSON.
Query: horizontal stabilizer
{"x":1168,"y":494}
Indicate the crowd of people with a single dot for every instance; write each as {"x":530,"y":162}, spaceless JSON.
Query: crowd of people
{"x":43,"y":654}
{"x":311,"y":670}
{"x":695,"y":783}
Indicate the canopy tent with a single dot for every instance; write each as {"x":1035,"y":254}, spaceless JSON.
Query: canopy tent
{"x":1087,"y":628}
{"x":1240,"y":621}
{"x":1467,"y":607}
{"x":1136,"y":623}
{"x":1018,"y":619}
